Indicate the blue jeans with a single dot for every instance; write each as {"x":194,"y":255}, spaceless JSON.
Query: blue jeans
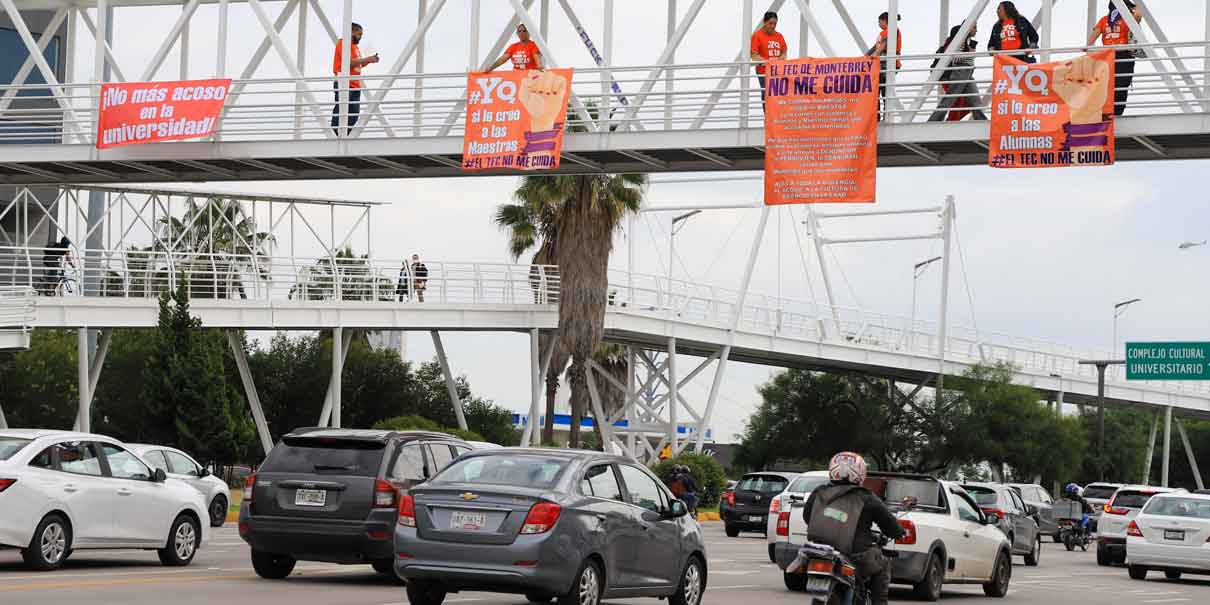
{"x":354,"y":108}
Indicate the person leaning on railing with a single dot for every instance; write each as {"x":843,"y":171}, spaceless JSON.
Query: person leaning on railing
{"x":1113,"y":31}
{"x":958,"y":87}
{"x":879,"y":50}
{"x":1013,"y":31}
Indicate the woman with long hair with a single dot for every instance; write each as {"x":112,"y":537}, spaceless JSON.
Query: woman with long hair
{"x":1013,"y":32}
{"x":1113,"y":30}
{"x":958,"y":88}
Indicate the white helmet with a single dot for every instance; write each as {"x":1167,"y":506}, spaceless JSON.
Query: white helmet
{"x":847,"y":467}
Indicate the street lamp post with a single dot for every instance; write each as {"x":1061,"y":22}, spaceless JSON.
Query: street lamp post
{"x":672,"y":250}
{"x":1118,"y":310}
{"x":917,"y":270}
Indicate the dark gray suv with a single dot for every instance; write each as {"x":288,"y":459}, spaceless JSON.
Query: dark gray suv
{"x":333,"y":494}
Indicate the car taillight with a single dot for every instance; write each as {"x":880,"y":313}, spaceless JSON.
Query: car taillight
{"x":249,"y":483}
{"x":541,"y":518}
{"x":729,"y":498}
{"x":5,"y":483}
{"x":1111,"y":509}
{"x":384,"y":494}
{"x":994,"y":511}
{"x":407,"y":511}
{"x":820,"y":566}
{"x":775,"y":505}
{"x":909,"y":532}
{"x":783,"y":524}
{"x":1133,"y":530}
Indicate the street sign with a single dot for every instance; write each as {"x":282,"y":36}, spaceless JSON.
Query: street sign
{"x":1168,"y":361}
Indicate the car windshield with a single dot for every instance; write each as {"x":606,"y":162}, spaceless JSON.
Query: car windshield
{"x":521,"y":471}
{"x":325,"y":457}
{"x":1100,"y":492}
{"x":1197,"y":508}
{"x":766,"y":484}
{"x":894,"y":490}
{"x":1131,"y":499}
{"x":984,"y":496}
{"x":9,"y":446}
{"x":803,"y":485}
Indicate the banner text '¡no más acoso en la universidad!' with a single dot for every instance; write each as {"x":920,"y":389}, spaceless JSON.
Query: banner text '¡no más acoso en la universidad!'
{"x":147,"y":112}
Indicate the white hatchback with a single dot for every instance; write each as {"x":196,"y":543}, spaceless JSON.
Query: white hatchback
{"x":1171,"y":534}
{"x":64,"y":491}
{"x":182,"y":466}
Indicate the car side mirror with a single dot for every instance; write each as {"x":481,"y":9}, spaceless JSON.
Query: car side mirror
{"x":159,"y":476}
{"x":678,"y":509}
{"x":990,"y":520}
{"x":203,"y":473}
{"x":1031,"y":510}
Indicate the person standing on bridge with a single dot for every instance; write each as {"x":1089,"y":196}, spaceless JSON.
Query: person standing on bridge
{"x":957,"y":83}
{"x":767,"y":45}
{"x":405,"y":279}
{"x":356,"y":62}
{"x":420,"y":277}
{"x":1013,"y":32}
{"x":879,"y":50}
{"x":524,"y":53}
{"x":1113,"y":31}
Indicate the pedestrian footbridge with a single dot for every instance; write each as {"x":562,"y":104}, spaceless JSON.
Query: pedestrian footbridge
{"x":16,"y":317}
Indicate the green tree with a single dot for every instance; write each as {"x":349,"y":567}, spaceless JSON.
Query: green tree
{"x":493,"y":422}
{"x":38,"y":387}
{"x":221,"y":245}
{"x":346,"y":272}
{"x":1126,"y":433}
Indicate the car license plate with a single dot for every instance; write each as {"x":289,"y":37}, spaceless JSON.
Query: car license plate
{"x":1174,"y":534}
{"x":819,"y":584}
{"x":310,"y":497}
{"x":755,"y":519}
{"x":464,"y":520}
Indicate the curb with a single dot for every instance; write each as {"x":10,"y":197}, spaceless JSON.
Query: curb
{"x":702,"y":517}
{"x":232,"y":516}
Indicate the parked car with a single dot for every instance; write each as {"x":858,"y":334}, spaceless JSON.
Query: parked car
{"x":181,"y":466}
{"x":746,"y":508}
{"x":1013,"y":516}
{"x":1036,"y":496}
{"x":1172,"y":535}
{"x":64,"y":491}
{"x":1119,"y":511}
{"x":796,"y":494}
{"x":332,"y":495}
{"x":949,"y":540}
{"x":1097,"y":494}
{"x":572,"y":525}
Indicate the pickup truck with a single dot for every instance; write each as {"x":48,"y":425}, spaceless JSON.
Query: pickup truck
{"x":949,"y":540}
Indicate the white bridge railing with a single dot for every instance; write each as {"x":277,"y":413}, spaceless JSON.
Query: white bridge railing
{"x":17,"y":309}
{"x":325,"y":280}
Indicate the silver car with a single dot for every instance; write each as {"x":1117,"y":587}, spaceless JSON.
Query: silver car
{"x":571,"y":525}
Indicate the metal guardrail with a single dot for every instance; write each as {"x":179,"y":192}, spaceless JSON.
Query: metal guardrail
{"x":1171,"y":78}
{"x":17,"y":312}
{"x":141,"y":274}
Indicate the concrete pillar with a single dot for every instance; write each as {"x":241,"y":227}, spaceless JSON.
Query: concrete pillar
{"x":1167,"y":445}
{"x":85,"y":396}
{"x":337,"y":370}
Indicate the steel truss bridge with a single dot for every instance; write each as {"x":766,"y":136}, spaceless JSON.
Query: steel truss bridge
{"x":663,"y":116}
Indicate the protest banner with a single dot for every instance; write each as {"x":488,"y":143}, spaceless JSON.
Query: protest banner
{"x":146,"y":112}
{"x":515,"y":119}
{"x":1049,"y":115}
{"x":821,"y":131}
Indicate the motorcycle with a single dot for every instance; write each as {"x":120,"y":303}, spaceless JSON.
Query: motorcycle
{"x":1073,"y":533}
{"x":831,"y":577}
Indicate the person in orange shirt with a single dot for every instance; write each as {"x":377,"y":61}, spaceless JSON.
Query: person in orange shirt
{"x":1114,"y":31}
{"x":767,"y":45}
{"x":524,"y":54}
{"x":879,"y":50}
{"x":356,"y":62}
{"x":1013,"y":31}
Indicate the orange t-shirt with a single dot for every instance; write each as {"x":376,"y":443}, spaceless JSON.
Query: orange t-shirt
{"x":524,"y":55}
{"x":354,"y":53}
{"x":882,"y":36}
{"x":1113,"y":36}
{"x":1010,"y":38}
{"x":768,"y":46}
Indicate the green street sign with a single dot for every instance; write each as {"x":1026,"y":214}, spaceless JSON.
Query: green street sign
{"x":1168,"y":361}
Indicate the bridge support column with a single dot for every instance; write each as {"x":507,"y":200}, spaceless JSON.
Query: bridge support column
{"x":338,"y":366}
{"x":673,"y":396}
{"x":1167,"y":445}
{"x":325,"y":415}
{"x":450,"y":384}
{"x":1197,"y":475}
{"x":245,"y":376}
{"x":94,"y":374}
{"x":535,"y":389}
{"x":1155,"y":425}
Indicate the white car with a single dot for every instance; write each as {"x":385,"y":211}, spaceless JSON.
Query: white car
{"x":181,"y":466}
{"x":1171,"y":534}
{"x":798,"y":491}
{"x":949,"y":540}
{"x":64,"y":491}
{"x":1116,"y":515}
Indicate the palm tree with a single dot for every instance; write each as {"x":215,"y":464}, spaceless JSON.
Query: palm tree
{"x":352,"y":274}
{"x":580,"y":213}
{"x":219,"y":235}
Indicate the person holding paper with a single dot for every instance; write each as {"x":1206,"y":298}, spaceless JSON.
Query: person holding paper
{"x":356,"y":62}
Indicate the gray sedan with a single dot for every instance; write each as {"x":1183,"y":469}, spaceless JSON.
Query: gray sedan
{"x":571,"y":525}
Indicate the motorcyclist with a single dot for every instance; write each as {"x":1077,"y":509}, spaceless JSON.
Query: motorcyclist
{"x":841,"y":515}
{"x":1072,"y":492}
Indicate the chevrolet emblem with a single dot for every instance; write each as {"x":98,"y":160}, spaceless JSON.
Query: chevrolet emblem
{"x":469,"y":496}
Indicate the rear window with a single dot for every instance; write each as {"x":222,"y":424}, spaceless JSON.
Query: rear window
{"x":807,"y":484}
{"x":326,"y":457}
{"x":983,"y":496}
{"x":894,"y":490}
{"x":1179,"y":507}
{"x":521,"y":471}
{"x":1101,"y":492}
{"x":9,"y":446}
{"x":765,"y":484}
{"x":1131,"y":499}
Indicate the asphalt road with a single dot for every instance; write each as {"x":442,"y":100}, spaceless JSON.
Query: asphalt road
{"x":739,"y":571}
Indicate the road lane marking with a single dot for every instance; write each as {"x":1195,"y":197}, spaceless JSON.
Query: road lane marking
{"x":734,"y":573}
{"x":735,"y":587}
{"x":1165,"y":600}
{"x":159,"y":578}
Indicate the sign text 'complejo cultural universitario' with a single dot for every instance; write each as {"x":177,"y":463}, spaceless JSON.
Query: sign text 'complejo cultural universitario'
{"x":1168,"y":361}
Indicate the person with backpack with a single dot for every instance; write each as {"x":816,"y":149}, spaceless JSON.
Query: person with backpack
{"x":683,"y":487}
{"x":1114,"y":32}
{"x":1013,"y":32}
{"x":958,"y":82}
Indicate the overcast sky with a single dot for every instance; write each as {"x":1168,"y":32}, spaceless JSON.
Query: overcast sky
{"x":1045,"y":253}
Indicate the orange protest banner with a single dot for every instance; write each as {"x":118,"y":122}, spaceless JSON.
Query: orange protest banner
{"x":148,"y":112}
{"x":1049,"y":115}
{"x":821,"y":131}
{"x":514,"y":119}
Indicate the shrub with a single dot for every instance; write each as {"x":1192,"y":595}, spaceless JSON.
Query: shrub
{"x":420,"y":423}
{"x":706,"y":472}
